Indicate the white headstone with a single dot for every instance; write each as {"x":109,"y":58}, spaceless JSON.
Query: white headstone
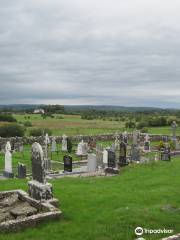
{"x":53,"y":145}
{"x":64,"y":143}
{"x":82,"y":148}
{"x":8,"y":158}
{"x":105,"y":157}
{"x":92,"y":163}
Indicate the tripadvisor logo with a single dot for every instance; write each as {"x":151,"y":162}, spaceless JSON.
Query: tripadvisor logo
{"x":140,"y":231}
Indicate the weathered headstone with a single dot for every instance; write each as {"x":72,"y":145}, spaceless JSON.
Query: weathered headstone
{"x":105,"y":157}
{"x":147,"y":143}
{"x":135,"y":153}
{"x":53,"y":145}
{"x":45,"y":151}
{"x":67,"y":163}
{"x":165,"y":154}
{"x":64,"y":143}
{"x":92,"y":163}
{"x":174,"y":138}
{"x":39,"y":189}
{"x":21,"y":170}
{"x":122,"y":154}
{"x":99,"y":156}
{"x":125,"y":137}
{"x":8,"y":161}
{"x":82,"y":149}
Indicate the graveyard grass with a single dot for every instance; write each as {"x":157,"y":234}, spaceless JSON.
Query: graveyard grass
{"x":110,"y":208}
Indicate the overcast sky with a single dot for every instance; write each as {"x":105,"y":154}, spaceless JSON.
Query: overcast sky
{"x":115,"y":52}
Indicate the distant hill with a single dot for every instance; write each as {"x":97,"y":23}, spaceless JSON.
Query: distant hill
{"x":79,"y":108}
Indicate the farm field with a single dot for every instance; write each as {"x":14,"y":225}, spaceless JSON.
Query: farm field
{"x":74,"y":125}
{"x":111,"y":208}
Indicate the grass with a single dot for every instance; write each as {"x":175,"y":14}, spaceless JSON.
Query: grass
{"x":74,"y":125}
{"x":110,"y":208}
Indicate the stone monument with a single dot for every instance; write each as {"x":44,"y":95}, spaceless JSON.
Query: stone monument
{"x":92,"y":163}
{"x":39,"y":189}
{"x":8,"y":162}
{"x":64,"y":143}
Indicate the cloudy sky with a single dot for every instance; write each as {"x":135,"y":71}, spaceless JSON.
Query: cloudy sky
{"x":115,"y":52}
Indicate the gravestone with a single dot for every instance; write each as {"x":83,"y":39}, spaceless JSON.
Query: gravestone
{"x":39,"y":189}
{"x":53,"y":145}
{"x":82,"y":149}
{"x":122,"y":155}
{"x":125,"y":137}
{"x":92,"y":163}
{"x":99,"y":156}
{"x":165,"y":154}
{"x":64,"y":143}
{"x":67,"y":163}
{"x":111,"y":159}
{"x":105,"y":157}
{"x":69,"y":145}
{"x":21,"y":170}
{"x":146,"y":143}
{"x":174,"y":138}
{"x":117,"y":142}
{"x":45,"y":151}
{"x":135,"y":153}
{"x":8,"y":162}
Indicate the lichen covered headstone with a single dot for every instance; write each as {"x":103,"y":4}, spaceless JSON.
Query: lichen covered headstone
{"x":38,"y":188}
{"x":8,"y":161}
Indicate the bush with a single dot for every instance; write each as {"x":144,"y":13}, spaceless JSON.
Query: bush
{"x":142,"y":125}
{"x":36,"y":132}
{"x":12,"y":130}
{"x":144,"y":130}
{"x":130,"y":124}
{"x":27,"y":124}
{"x":7,"y":118}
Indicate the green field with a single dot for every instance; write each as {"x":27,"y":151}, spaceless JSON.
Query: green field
{"x":74,"y":125}
{"x":111,"y":208}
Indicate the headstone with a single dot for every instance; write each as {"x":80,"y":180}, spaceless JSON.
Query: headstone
{"x":39,"y":189}
{"x":21,"y":170}
{"x":92,"y":163}
{"x":165,"y":154}
{"x":53,"y":145}
{"x":147,"y":143}
{"x":67,"y":163}
{"x":99,"y":156}
{"x":125,"y":137}
{"x":122,"y":155}
{"x":174,"y":138}
{"x":82,"y":149}
{"x":135,"y":138}
{"x":69,"y":145}
{"x":105,"y":157}
{"x":45,"y":151}
{"x":111,"y":159}
{"x":8,"y":162}
{"x":64,"y":143}
{"x":117,"y":142}
{"x":135,"y":153}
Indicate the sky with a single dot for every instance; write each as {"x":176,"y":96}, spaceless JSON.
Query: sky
{"x":90,"y":52}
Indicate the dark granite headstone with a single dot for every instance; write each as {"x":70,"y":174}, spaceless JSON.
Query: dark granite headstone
{"x":69,"y":145}
{"x":67,"y":163}
{"x":135,"y":153}
{"x":122,"y":155}
{"x":147,"y":146}
{"x":21,"y":171}
{"x":111,"y":159}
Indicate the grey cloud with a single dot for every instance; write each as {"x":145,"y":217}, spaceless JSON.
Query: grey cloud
{"x":90,"y":52}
